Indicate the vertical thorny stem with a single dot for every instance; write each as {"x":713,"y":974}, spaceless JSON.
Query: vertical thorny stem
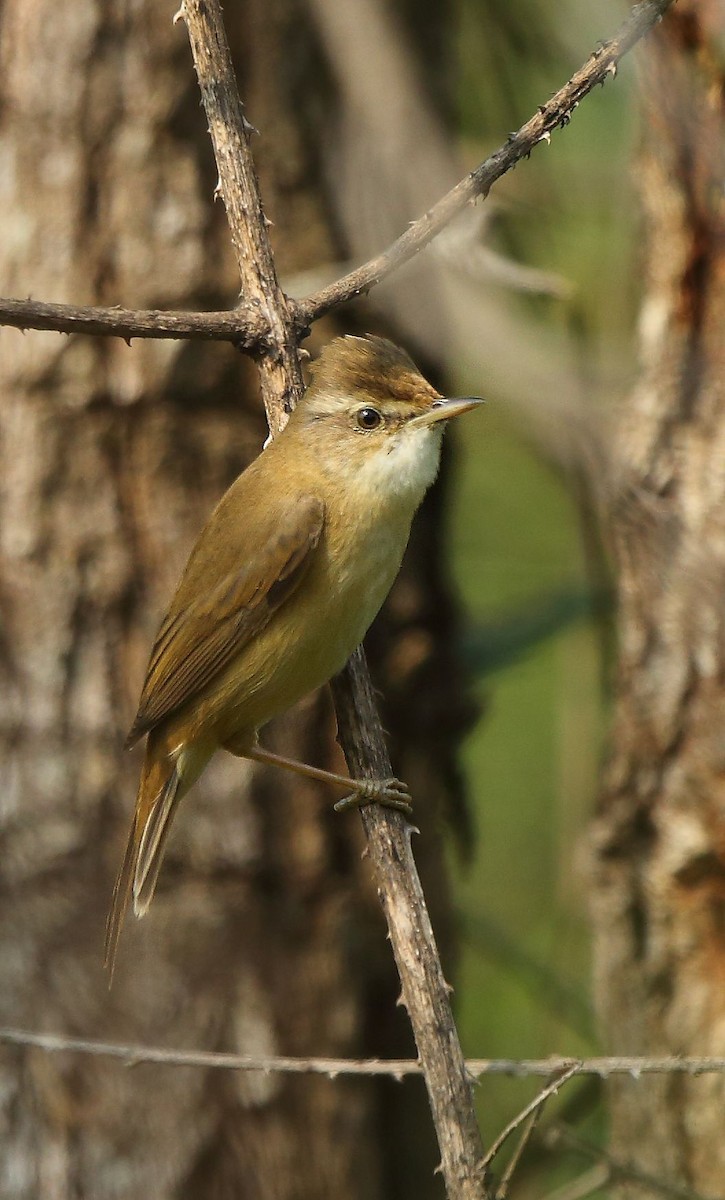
{"x":424,"y":990}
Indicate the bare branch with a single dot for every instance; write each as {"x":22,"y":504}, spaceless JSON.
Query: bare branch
{"x":556,"y":113}
{"x":251,"y":326}
{"x":424,"y":990}
{"x":561,"y":1135}
{"x":279,"y":365}
{"x":393,"y":1068}
{"x":529,"y":1115}
{"x":243,"y":326}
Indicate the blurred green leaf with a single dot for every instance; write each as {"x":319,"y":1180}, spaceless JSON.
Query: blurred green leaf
{"x":495,"y":646}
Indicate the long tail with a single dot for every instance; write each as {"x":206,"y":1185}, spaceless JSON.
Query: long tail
{"x":165,"y":778}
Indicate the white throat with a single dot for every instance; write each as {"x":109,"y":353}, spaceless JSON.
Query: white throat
{"x":404,"y":467}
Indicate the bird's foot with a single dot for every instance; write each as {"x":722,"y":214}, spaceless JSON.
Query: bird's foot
{"x":391,"y":793}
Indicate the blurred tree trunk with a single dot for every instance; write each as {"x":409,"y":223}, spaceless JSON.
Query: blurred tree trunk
{"x":660,"y":835}
{"x":265,"y":936}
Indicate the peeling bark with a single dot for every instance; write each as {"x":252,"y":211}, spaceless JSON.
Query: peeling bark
{"x":659,"y":898}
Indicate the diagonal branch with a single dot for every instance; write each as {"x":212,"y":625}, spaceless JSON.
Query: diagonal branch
{"x":277,"y":355}
{"x":425,"y":992}
{"x":248,"y":326}
{"x":529,"y":1117}
{"x":556,"y":113}
{"x":424,"y":989}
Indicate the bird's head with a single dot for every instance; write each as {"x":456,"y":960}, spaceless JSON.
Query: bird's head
{"x":371,"y":417}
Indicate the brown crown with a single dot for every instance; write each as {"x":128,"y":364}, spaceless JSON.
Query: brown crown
{"x":369,"y":364}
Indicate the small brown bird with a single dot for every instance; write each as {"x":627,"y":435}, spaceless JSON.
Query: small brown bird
{"x":282,"y":585}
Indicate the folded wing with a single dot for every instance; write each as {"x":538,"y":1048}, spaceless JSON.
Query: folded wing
{"x":200,"y":636}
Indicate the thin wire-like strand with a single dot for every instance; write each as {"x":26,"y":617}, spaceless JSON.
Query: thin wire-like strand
{"x":396,"y":1068}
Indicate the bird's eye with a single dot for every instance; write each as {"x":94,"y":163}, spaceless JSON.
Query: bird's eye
{"x":368,"y":418}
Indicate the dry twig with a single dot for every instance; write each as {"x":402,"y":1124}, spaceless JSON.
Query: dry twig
{"x":278,"y":359}
{"x":243,"y":326}
{"x":528,"y":1117}
{"x":393,"y":1068}
{"x":556,"y":113}
{"x":246,"y":326}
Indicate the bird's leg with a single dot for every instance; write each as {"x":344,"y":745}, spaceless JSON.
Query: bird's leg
{"x":391,"y":793}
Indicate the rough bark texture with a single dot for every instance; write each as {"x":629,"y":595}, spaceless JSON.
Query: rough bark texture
{"x":263,"y":937}
{"x":660,"y":836}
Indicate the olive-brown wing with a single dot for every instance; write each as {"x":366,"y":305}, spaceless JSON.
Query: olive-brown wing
{"x":200,"y":637}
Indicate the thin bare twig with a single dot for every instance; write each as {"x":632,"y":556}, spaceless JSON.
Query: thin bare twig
{"x":248,"y":328}
{"x":424,"y":989}
{"x":528,"y":1117}
{"x":502,"y":1190}
{"x":555,"y":114}
{"x":244,"y":326}
{"x":393,"y":1068}
{"x":532,"y":1110}
{"x":561,"y":1135}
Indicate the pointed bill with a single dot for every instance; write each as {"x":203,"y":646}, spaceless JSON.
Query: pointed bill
{"x":443,"y":410}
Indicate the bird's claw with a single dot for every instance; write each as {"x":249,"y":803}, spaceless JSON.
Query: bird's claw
{"x":391,"y":793}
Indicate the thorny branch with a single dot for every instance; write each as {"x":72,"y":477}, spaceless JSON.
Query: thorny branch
{"x":280,"y":374}
{"x":424,"y":989}
{"x":247,"y":328}
{"x":243,"y":326}
{"x":555,"y":114}
{"x":394,"y":1068}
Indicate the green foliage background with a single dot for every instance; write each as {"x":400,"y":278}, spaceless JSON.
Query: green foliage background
{"x":537,"y":616}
